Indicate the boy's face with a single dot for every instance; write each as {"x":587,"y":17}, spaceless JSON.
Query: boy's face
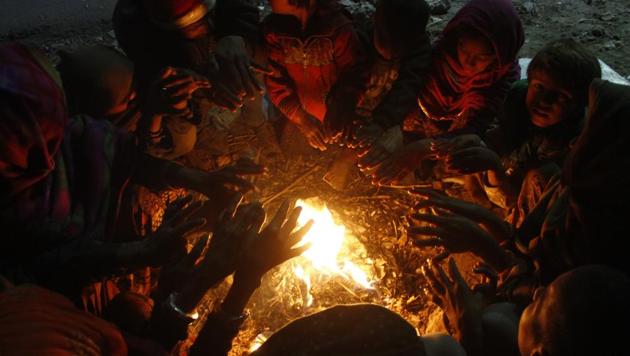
{"x":548,"y":102}
{"x":475,"y":54}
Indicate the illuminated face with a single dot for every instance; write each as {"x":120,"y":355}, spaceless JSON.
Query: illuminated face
{"x":475,"y":54}
{"x":123,"y":105}
{"x":548,"y":102}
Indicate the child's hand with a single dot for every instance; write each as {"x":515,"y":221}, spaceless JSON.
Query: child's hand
{"x":314,"y":132}
{"x":365,"y":135}
{"x":374,"y":156}
{"x":168,"y":243}
{"x":402,"y":163}
{"x":445,"y":146}
{"x":463,"y":308}
{"x":472,"y":160}
{"x":456,"y":233}
{"x":499,"y":229}
{"x":274,"y":245}
{"x":172,"y":91}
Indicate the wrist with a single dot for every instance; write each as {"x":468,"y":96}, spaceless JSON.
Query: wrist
{"x":239,"y":293}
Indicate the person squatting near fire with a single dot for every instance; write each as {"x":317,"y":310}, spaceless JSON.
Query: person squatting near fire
{"x":61,"y":184}
{"x":557,"y":286}
{"x":313,"y":51}
{"x":217,"y":39}
{"x":577,"y":222}
{"x":474,"y":63}
{"x":540,"y":118}
{"x":398,"y":57}
{"x":99,"y":81}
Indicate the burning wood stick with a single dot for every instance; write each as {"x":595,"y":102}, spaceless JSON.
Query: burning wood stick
{"x":286,"y":189}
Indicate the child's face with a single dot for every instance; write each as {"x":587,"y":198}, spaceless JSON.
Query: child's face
{"x":475,"y":54}
{"x":123,"y":105}
{"x":384,"y":51}
{"x":548,"y":102}
{"x":283,"y":7}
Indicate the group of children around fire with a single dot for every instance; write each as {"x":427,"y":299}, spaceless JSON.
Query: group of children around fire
{"x":81,"y":141}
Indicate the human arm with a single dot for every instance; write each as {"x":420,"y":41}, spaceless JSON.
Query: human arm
{"x":481,"y":329}
{"x":400,"y":163}
{"x":458,"y":234}
{"x":282,"y":93}
{"x":274,"y":245}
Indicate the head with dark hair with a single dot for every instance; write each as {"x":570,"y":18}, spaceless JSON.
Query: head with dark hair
{"x":582,"y":312}
{"x":399,"y":26}
{"x":559,"y":77}
{"x":98,"y":81}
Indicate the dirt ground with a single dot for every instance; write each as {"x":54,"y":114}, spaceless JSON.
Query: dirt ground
{"x":602,"y":25}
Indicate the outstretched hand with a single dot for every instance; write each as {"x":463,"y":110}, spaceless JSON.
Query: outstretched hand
{"x":228,"y":180}
{"x":457,"y":234}
{"x":171,"y":92}
{"x":430,"y":198}
{"x":472,"y":160}
{"x":313,"y":131}
{"x":462,"y":308}
{"x":275,"y":244}
{"x":237,"y":71}
{"x":401,"y":163}
{"x":168,"y":243}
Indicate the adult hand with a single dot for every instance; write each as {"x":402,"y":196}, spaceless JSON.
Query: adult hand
{"x":431,"y":198}
{"x":472,"y":160}
{"x":274,"y":245}
{"x":168,"y":243}
{"x":463,"y":309}
{"x":237,"y":68}
{"x":402,"y":163}
{"x":314,"y":132}
{"x":171,"y":92}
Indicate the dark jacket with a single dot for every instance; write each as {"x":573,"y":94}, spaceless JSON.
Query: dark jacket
{"x":392,"y":87}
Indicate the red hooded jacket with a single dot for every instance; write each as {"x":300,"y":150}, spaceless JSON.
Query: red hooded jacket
{"x":454,"y":101}
{"x":308,"y":63}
